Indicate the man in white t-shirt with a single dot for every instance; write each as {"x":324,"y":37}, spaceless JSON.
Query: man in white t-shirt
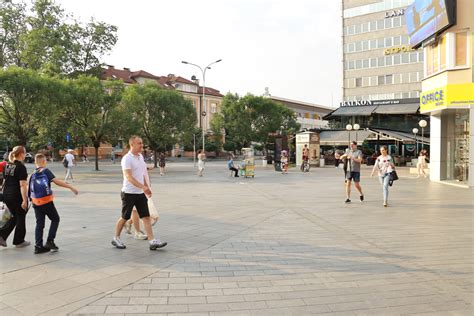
{"x":135,"y":193}
{"x":71,"y":162}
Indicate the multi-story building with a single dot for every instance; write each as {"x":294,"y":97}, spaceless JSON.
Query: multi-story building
{"x":190,"y":90}
{"x":378,"y":61}
{"x":444,"y":29}
{"x":308,"y":115}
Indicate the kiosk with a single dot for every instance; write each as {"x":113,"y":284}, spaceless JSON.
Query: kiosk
{"x":311,"y":139}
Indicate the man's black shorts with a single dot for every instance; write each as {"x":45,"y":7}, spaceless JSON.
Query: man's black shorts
{"x":353,"y":175}
{"x":139,"y":201}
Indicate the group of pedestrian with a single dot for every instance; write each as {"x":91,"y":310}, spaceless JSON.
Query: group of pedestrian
{"x":17,"y":191}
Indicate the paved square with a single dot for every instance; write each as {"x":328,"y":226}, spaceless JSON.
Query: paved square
{"x":276,"y":244}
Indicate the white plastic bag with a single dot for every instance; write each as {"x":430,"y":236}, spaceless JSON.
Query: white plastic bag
{"x":5,"y":215}
{"x":153,"y":212}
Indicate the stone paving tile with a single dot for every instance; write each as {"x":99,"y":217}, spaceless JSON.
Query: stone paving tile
{"x":302,"y":252}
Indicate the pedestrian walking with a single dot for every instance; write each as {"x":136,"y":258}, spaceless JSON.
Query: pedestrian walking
{"x":384,"y":165}
{"x":15,"y":196}
{"x":41,"y":197}
{"x":354,"y":160}
{"x":135,"y":193}
{"x":84,"y":156}
{"x":162,"y":163}
{"x":284,"y":162}
{"x":337,"y":157}
{"x":421,"y":164}
{"x":201,"y":161}
{"x":71,"y":162}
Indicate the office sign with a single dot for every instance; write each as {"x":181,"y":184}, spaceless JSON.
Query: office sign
{"x":451,"y":95}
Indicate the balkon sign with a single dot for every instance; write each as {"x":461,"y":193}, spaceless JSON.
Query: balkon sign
{"x":356,"y":103}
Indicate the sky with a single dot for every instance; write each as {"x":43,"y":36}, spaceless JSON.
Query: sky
{"x":292,"y":47}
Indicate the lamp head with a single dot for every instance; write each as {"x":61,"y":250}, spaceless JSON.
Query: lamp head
{"x":422,"y":123}
{"x":185,"y":62}
{"x":356,"y":127}
{"x":348,"y":127}
{"x":415,"y":130}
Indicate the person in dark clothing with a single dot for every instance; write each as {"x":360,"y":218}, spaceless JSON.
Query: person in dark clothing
{"x":15,"y":197}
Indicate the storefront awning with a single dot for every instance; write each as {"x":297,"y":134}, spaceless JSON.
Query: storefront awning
{"x":339,"y":138}
{"x":398,"y":136}
{"x":353,"y":111}
{"x":409,"y":108}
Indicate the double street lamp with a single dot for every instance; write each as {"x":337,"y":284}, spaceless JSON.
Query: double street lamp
{"x":354,"y":127}
{"x":203,"y":104}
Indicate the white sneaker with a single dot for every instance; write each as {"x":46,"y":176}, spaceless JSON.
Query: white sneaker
{"x":156,"y":243}
{"x":140,"y":236}
{"x":116,"y":242}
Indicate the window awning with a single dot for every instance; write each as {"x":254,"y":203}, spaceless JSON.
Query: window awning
{"x":409,"y":108}
{"x":354,"y":110}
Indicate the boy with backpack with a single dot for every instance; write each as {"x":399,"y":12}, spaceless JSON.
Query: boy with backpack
{"x":41,"y":195}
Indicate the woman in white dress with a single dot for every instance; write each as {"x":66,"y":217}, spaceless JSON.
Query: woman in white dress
{"x":201,"y":159}
{"x":421,"y":164}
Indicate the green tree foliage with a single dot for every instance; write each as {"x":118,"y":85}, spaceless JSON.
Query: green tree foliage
{"x":25,"y":102}
{"x":45,"y":38}
{"x":90,"y":107}
{"x":165,"y":116}
{"x":253,"y":118}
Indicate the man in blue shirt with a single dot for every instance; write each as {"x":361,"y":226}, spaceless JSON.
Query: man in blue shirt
{"x":231,"y":166}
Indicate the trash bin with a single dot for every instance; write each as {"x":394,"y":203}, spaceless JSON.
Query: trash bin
{"x":264,"y":162}
{"x":322,"y":162}
{"x":277,"y":165}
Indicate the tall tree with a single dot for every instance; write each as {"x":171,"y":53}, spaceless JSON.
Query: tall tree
{"x":165,"y":116}
{"x":48,"y":39}
{"x":24,"y":101}
{"x":12,"y":27}
{"x":90,"y":107}
{"x":253,"y":118}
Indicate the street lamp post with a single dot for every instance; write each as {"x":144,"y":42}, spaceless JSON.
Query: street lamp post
{"x":356,"y":127}
{"x":422,"y":124}
{"x":194,"y":150}
{"x":203,"y":111}
{"x":415,"y":132}
{"x":349,"y":128}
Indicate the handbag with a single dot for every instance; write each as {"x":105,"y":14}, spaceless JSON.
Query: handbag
{"x":5,"y":215}
{"x":393,"y":175}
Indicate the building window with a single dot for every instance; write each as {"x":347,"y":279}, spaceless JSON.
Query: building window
{"x":358,"y":82}
{"x":461,"y":49}
{"x":365,"y":63}
{"x":358,"y":64}
{"x":413,"y":57}
{"x":381,"y":61}
{"x":373,"y":62}
{"x":396,"y":41}
{"x":381,"y":80}
{"x":372,"y":25}
{"x":397,"y":22}
{"x":442,"y":53}
{"x":213,"y":108}
{"x":380,"y":25}
{"x":388,"y":79}
{"x":365,"y":27}
{"x":405,"y":58}
{"x":396,"y":60}
{"x":388,"y":60}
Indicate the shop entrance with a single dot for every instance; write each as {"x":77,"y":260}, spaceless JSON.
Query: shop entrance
{"x":458,"y":146}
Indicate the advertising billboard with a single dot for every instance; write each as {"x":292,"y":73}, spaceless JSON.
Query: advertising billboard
{"x":426,"y":18}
